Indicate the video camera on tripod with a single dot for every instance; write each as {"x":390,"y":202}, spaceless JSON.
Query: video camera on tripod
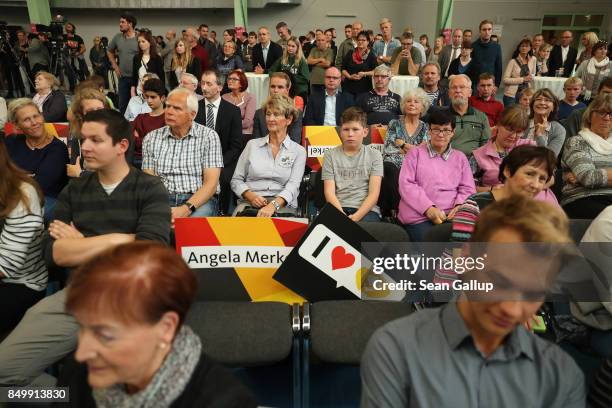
{"x":54,"y":33}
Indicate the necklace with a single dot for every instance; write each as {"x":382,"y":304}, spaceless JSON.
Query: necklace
{"x":38,"y":145}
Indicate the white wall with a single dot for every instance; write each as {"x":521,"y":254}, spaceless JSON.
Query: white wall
{"x":419,"y":14}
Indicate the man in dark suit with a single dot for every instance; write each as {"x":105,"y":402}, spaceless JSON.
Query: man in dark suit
{"x":225,"y":118}
{"x":450,"y":52}
{"x":318,"y":111}
{"x":279,"y":85}
{"x":265,"y":52}
{"x":563,"y":56}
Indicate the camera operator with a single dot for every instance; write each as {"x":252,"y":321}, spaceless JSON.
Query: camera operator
{"x":21,"y":50}
{"x":76,"y":51}
{"x":99,"y":59}
{"x":38,"y":54}
{"x":9,"y":64}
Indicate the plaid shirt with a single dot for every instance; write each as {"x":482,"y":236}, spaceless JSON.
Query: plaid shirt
{"x":180,"y":163}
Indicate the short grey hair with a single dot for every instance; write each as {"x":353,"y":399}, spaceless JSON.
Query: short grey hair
{"x":458,"y":76}
{"x":192,"y":78}
{"x":382,"y":69}
{"x":16,"y":105}
{"x":192,"y":100}
{"x":420,"y":95}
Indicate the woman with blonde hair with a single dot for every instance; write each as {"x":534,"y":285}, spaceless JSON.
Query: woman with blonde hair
{"x":293,"y":62}
{"x":183,"y":61}
{"x":588,"y":40}
{"x":50,"y":100}
{"x":542,"y":56}
{"x":594,"y":70}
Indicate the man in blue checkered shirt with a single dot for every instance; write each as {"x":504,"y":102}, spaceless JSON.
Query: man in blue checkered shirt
{"x":186,"y":156}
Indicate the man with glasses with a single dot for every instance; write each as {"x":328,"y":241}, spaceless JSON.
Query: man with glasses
{"x":325,"y":108}
{"x":406,"y":60}
{"x":380,"y":104}
{"x":266,"y":52}
{"x":472,"y":128}
{"x":563,"y":57}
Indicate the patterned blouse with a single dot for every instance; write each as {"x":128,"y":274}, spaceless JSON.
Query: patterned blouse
{"x":397,"y":130}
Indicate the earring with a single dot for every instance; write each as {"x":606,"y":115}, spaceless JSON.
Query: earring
{"x":162,"y":345}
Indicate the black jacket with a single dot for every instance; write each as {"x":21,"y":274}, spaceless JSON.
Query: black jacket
{"x":315,"y":109}
{"x":194,"y":68}
{"x":453,"y":69}
{"x":274,"y":53}
{"x":155,"y":66}
{"x":228,"y":126}
{"x":556,"y":59}
{"x":260,"y":129}
{"x":55,"y":107}
{"x":211,"y":385}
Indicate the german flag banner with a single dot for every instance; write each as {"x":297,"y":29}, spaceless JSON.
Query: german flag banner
{"x":59,"y":130}
{"x":235,"y":258}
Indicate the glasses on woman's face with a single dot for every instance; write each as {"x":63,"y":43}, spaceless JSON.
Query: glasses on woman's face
{"x":542,"y":100}
{"x":437,"y":132}
{"x":233,"y":79}
{"x":603,"y":114}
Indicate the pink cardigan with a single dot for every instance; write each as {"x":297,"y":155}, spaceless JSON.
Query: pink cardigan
{"x":512,"y":78}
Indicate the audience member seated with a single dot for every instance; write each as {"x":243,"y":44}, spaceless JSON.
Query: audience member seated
{"x":357,"y":66}
{"x":228,"y":60}
{"x":224,"y":118}
{"x":435,"y":179}
{"x":37,"y":152}
{"x":155,"y":95}
{"x":238,"y":84}
{"x":280,"y":84}
{"x":85,"y":101}
{"x":146,"y":61}
{"x":47,"y":333}
{"x":524,"y":100}
{"x":294,"y":62}
{"x":594,"y":70}
{"x":380,"y":104}
{"x":406,"y":358}
{"x":188,"y":81}
{"x":186,"y":156}
{"x":600,"y":394}
{"x":519,"y":73}
{"x":270,"y":168}
{"x":542,"y":56}
{"x":167,"y":361}
{"x":406,"y":59}
{"x":472,"y":128}
{"x":319,"y":59}
{"x":3,"y":113}
{"x":352,"y":172}
{"x":571,"y":88}
{"x":526,"y":171}
{"x":573,"y":123}
{"x":23,"y":274}
{"x":49,"y":99}
{"x":588,"y":156}
{"x":543,"y":126}
{"x":430,"y":82}
{"x":263,"y":61}
{"x":409,"y":131}
{"x":485,"y":100}
{"x":137,"y":103}
{"x":183,"y":62}
{"x":325,"y":108}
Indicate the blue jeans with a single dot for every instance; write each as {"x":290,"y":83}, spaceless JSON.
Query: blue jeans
{"x":370,"y":216}
{"x":209,"y":209}
{"x":125,"y":87}
{"x":509,"y":101}
{"x":417,"y":232}
{"x":49,"y":207}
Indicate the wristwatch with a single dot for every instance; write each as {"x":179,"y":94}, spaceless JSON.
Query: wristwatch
{"x":192,"y":208}
{"x":276,"y":205}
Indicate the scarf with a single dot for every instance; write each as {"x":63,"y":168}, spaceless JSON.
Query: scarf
{"x":358,"y":57}
{"x":592,"y":67}
{"x":167,"y":384}
{"x":596,"y":142}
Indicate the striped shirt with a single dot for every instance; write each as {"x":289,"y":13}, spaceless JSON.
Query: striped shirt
{"x":21,"y":259}
{"x":590,"y":168}
{"x":601,"y":389}
{"x":180,"y":163}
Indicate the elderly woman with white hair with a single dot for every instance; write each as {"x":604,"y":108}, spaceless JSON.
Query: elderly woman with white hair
{"x":186,"y":156}
{"x":270,"y":168}
{"x":49,"y":99}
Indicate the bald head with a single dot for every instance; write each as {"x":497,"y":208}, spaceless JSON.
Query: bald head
{"x":332,"y":80}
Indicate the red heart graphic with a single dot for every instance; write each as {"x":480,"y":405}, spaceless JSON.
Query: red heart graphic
{"x":340,"y":259}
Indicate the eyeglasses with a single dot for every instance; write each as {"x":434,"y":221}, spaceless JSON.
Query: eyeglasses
{"x":438,"y":132}
{"x":603,"y":114}
{"x":233,"y":79}
{"x":406,"y":44}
